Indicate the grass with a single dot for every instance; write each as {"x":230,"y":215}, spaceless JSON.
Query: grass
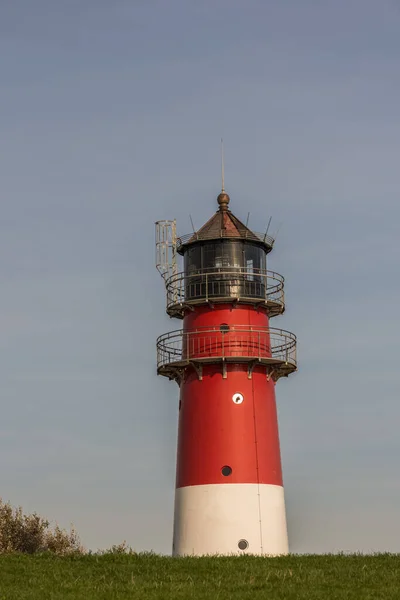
{"x":151,"y":577}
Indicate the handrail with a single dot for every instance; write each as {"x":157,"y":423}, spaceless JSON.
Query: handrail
{"x":236,"y":283}
{"x":225,"y":234}
{"x":266,"y":344}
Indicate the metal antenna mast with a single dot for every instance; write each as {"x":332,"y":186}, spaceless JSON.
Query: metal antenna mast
{"x":222,"y":166}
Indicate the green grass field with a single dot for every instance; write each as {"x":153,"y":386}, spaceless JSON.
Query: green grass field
{"x":147,"y":576}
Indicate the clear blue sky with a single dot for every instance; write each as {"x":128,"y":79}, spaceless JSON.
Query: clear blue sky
{"x":110,"y":118}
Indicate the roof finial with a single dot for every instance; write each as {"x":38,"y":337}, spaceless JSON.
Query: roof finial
{"x":223,"y":199}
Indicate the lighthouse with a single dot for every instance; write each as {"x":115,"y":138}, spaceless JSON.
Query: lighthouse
{"x":226,"y":360}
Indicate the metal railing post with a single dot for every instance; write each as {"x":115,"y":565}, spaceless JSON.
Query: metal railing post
{"x":266,"y":287}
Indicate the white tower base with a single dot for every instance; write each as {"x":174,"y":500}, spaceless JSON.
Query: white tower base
{"x":234,"y":518}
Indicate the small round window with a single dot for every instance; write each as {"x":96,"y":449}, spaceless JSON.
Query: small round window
{"x":226,"y":471}
{"x":224,"y":328}
{"x":243,"y":544}
{"x":237,"y":398}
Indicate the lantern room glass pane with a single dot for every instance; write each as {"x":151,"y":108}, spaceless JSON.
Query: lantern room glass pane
{"x":225,"y":269}
{"x":257,"y":256}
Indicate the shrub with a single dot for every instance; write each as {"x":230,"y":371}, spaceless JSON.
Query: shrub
{"x":121,"y":548}
{"x":30,"y":534}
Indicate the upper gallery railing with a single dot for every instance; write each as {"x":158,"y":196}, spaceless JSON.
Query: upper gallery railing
{"x":224,"y":284}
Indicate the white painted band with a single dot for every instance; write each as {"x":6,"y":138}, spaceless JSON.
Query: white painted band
{"x":212,"y":519}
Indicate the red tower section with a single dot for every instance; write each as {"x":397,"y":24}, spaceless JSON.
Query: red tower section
{"x":226,"y":360}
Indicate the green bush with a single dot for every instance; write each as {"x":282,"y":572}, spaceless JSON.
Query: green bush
{"x":30,"y":534}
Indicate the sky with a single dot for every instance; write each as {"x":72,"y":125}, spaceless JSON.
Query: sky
{"x":111,"y":115}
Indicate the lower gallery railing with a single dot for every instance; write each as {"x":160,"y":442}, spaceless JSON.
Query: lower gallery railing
{"x":264,"y":344}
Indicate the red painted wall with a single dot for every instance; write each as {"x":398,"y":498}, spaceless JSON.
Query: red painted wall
{"x":204,"y":316}
{"x":205,"y":340}
{"x":214,"y":431}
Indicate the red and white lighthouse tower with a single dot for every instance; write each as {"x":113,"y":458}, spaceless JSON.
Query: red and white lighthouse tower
{"x":226,"y":360}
